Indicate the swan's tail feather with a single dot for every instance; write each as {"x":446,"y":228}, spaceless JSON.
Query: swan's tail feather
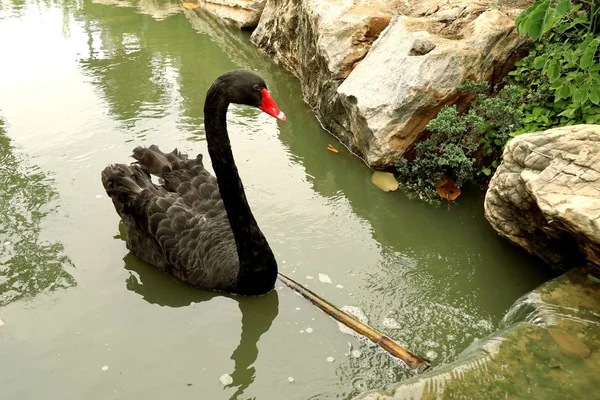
{"x":155,"y":162}
{"x":123,"y":183}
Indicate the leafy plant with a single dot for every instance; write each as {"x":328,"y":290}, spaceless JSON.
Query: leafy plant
{"x":556,"y":84}
{"x":563,"y":66}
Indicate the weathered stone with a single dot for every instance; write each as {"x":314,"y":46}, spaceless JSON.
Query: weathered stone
{"x":551,"y":352}
{"x":545,"y":196}
{"x":243,"y":13}
{"x":379,"y":103}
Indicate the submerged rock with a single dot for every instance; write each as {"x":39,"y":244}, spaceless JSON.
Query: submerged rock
{"x":378,"y":99}
{"x":554,"y":357}
{"x":545,"y":195}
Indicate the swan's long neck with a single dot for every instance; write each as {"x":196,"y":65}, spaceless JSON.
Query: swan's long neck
{"x":257,"y":262}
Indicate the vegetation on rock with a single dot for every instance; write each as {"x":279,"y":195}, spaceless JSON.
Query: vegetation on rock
{"x":556,"y":84}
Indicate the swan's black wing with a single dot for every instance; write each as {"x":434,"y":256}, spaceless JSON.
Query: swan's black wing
{"x":180,"y":226}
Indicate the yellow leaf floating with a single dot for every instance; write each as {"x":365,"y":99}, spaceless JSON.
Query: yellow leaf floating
{"x":384,"y":181}
{"x":332,"y":149}
{"x":190,"y":6}
{"x":447,"y":189}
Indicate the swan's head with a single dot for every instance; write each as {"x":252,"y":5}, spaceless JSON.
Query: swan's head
{"x":247,"y":87}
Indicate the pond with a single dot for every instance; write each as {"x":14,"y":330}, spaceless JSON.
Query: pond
{"x":84,"y":82}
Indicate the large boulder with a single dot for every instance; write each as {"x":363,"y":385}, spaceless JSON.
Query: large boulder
{"x":545,"y":195}
{"x":377,"y":71}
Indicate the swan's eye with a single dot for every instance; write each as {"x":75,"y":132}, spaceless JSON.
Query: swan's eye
{"x":256,"y":87}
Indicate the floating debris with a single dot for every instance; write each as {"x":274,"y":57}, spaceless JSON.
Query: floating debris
{"x":391,"y":323}
{"x":385,"y":181}
{"x":324,"y":278}
{"x":309,"y":277}
{"x":309,"y":330}
{"x":226,"y":379}
{"x":332,"y":149}
{"x":297,"y":308}
{"x":356,"y":353}
{"x":105,"y":368}
{"x":1,"y":322}
{"x":330,"y":359}
{"x":339,"y":286}
{"x":291,"y":379}
{"x":99,"y":196}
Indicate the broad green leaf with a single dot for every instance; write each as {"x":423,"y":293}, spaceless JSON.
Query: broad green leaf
{"x":569,"y":56}
{"x":581,"y":94}
{"x":537,"y":20}
{"x":583,"y":45}
{"x":569,"y":112}
{"x":588,"y":55}
{"x":562,"y":7}
{"x":486,"y":171}
{"x":540,"y":61}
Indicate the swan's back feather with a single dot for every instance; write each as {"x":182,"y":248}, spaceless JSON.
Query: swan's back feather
{"x":180,"y":226}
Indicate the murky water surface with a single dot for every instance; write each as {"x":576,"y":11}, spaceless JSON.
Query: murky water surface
{"x":81,"y":84}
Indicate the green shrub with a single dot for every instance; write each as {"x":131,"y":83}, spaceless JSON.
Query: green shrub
{"x":556,"y":84}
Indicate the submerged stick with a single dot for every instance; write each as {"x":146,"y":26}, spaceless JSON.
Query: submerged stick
{"x":413,"y":361}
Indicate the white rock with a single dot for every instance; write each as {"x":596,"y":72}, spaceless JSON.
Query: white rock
{"x":226,"y":379}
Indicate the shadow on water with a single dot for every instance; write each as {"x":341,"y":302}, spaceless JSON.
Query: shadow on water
{"x":258,"y":313}
{"x":28,"y":265}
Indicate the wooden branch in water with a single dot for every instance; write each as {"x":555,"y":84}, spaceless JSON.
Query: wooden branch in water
{"x":413,"y":361}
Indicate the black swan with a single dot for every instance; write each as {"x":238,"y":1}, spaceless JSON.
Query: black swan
{"x":192,"y":226}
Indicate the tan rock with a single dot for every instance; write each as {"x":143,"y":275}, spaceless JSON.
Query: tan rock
{"x":379,"y":103}
{"x":545,"y":196}
{"x":243,"y":13}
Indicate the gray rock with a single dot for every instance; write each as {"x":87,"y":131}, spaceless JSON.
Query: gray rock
{"x":545,"y":195}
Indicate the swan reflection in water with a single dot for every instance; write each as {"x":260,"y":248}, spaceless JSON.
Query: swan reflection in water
{"x":258,"y":313}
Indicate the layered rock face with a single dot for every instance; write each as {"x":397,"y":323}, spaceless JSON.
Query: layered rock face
{"x":377,"y":71}
{"x":545,"y":196}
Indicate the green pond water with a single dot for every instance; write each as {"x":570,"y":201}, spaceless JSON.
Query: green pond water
{"x":81,"y":84}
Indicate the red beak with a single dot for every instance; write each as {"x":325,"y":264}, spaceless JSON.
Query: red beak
{"x":268,"y":105}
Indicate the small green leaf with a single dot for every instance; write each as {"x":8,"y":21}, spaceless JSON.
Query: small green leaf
{"x":562,"y":92}
{"x":553,"y":70}
{"x":486,"y":171}
{"x":588,"y":55}
{"x":595,"y":95}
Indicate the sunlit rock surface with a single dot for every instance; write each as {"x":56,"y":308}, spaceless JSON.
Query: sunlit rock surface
{"x":377,"y":71}
{"x":545,"y":196}
{"x":243,"y":13}
{"x":549,"y":349}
